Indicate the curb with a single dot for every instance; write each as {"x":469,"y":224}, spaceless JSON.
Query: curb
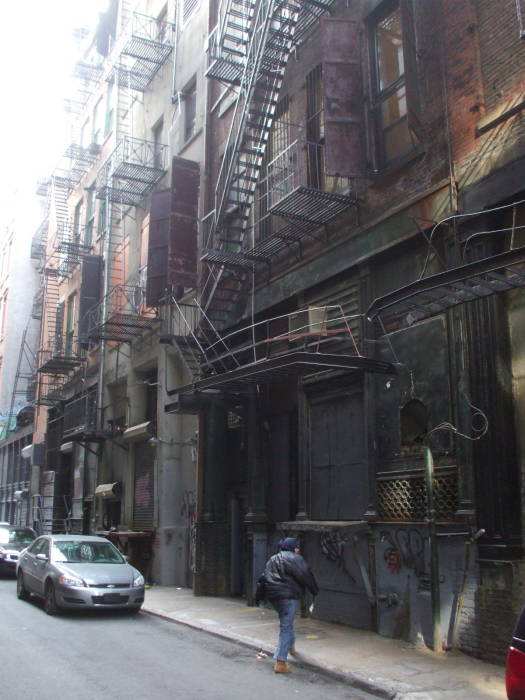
{"x":347,"y":677}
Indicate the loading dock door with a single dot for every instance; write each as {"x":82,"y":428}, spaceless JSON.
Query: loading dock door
{"x":338,"y":468}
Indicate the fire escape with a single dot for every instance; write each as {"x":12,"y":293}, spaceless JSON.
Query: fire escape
{"x":121,"y":316}
{"x":143,"y":48}
{"x":250,"y":49}
{"x":129,"y":174}
{"x":59,"y":353}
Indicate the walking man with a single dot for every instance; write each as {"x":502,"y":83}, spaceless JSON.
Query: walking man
{"x":285,"y":578}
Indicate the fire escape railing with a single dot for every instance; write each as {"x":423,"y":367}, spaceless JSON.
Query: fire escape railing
{"x":228,"y":42}
{"x":121,"y":315}
{"x":145,"y":45}
{"x":257,"y":38}
{"x":131,"y":171}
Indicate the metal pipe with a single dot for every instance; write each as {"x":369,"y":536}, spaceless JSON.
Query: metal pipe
{"x":437,"y":644}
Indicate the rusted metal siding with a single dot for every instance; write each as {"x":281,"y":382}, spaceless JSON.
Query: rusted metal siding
{"x":343,"y":98}
{"x":157,"y":276}
{"x":89,"y":294}
{"x":182,"y":251}
{"x":143,"y":501}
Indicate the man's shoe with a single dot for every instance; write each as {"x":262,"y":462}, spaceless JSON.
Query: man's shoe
{"x":281,"y":667}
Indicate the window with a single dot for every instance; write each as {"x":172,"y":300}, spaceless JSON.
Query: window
{"x":315,"y":131}
{"x":3,"y":303}
{"x":158,"y":155}
{"x":98,"y":122}
{"x":101,"y":221}
{"x":108,"y":124}
{"x":162,"y":25}
{"x":70,"y":323}
{"x":188,"y":8}
{"x":77,"y":222}
{"x":389,"y":87}
{"x":85,"y":134}
{"x":90,"y":217}
{"x":278,"y":141}
{"x":190,"y":109}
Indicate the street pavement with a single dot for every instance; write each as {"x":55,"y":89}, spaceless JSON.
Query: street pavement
{"x":388,"y":668}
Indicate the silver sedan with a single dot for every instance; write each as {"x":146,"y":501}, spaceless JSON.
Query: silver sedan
{"x":78,"y":571}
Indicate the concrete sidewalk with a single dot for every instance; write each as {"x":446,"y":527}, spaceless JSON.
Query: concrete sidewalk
{"x":387,"y":667}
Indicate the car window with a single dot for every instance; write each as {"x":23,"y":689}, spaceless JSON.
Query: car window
{"x":40,"y":546}
{"x":519,"y":630}
{"x":86,"y":552}
{"x":21,"y":536}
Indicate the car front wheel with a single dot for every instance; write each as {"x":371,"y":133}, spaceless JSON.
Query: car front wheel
{"x":21,"y":591}
{"x":50,"y":603}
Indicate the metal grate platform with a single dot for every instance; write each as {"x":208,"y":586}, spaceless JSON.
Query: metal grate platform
{"x":122,"y":328}
{"x":50,"y":362}
{"x":279,"y":368}
{"x":433,"y":295}
{"x":309,"y":204}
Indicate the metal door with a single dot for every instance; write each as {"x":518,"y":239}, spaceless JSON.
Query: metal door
{"x":338,"y":467}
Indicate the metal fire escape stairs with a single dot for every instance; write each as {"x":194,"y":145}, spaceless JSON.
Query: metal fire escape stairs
{"x":25,"y":372}
{"x":129,"y":175}
{"x":270,"y":39}
{"x":250,"y":49}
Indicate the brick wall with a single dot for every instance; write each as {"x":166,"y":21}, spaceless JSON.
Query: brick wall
{"x":502,"y":51}
{"x":501,"y":595}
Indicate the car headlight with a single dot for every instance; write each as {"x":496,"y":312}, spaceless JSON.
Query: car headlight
{"x":69,"y":580}
{"x":138,"y":580}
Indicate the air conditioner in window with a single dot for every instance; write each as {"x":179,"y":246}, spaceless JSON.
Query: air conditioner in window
{"x":308,"y":322}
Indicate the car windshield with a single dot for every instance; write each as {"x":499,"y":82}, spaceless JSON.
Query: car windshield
{"x":86,"y":552}
{"x":15,"y":536}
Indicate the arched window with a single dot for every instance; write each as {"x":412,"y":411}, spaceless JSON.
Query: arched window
{"x":414,"y":425}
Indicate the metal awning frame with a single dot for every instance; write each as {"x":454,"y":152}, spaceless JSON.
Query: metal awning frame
{"x":432,"y":295}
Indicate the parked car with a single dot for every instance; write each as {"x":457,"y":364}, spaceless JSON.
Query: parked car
{"x":12,"y":541}
{"x":515,"y":668}
{"x":78,"y":571}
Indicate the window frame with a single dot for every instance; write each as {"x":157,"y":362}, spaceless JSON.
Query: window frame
{"x":380,"y":96}
{"x":189,"y":95}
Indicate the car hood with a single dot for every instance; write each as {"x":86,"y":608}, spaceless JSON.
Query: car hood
{"x":101,"y":574}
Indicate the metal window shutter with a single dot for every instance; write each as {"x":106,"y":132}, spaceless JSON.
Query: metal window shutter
{"x":143,"y":496}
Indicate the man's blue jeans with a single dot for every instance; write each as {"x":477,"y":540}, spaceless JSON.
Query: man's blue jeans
{"x":287,"y":610}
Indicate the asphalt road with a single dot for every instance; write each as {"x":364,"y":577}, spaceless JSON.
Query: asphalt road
{"x":115,"y":656}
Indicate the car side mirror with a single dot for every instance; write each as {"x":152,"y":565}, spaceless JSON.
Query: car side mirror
{"x":126,"y":558}
{"x":41,"y":557}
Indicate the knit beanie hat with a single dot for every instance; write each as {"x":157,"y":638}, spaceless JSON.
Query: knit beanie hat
{"x":289,"y":544}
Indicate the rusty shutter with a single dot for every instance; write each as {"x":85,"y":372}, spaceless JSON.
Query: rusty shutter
{"x":408,"y":27}
{"x":143,"y":500}
{"x":89,"y":294}
{"x":157,"y":274}
{"x":183,"y":233}
{"x":342,"y":98}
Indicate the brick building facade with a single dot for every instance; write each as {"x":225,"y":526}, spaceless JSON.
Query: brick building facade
{"x":284,"y":295}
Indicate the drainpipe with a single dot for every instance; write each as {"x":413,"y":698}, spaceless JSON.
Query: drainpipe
{"x":100,"y":388}
{"x":437,"y":644}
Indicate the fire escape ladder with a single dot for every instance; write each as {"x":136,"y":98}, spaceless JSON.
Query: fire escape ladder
{"x":200,"y":346}
{"x":25,"y":373}
{"x":228,"y":42}
{"x":267,"y":52}
{"x":56,"y":356}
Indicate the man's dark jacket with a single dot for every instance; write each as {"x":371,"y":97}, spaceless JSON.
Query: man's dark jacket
{"x":287,"y":575}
